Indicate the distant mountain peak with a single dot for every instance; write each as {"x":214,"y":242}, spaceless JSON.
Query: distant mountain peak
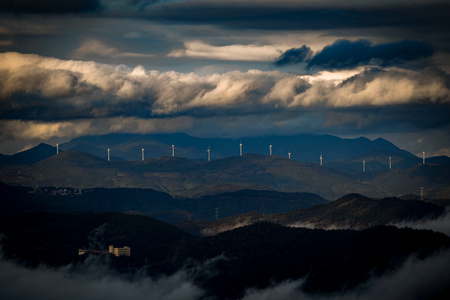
{"x":35,"y":154}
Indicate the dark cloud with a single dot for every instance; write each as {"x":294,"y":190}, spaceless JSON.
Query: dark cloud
{"x":143,"y":3}
{"x":294,"y":55}
{"x":304,"y":15}
{"x":49,"y":6}
{"x":344,"y":54}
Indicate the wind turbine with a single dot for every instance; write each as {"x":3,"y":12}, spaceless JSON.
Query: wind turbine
{"x":142,"y":153}
{"x":209,"y":153}
{"x":364,"y":166}
{"x":390,"y":163}
{"x":423,"y":157}
{"x":109,"y":153}
{"x":57,"y":148}
{"x":240,"y":148}
{"x":321,"y":159}
{"x":289,"y":155}
{"x":173,"y":150}
{"x":270,"y":149}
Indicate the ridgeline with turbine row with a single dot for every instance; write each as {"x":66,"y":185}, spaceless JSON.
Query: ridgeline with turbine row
{"x":386,"y":170}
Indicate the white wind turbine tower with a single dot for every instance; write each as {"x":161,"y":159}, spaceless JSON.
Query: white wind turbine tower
{"x":173,"y":150}
{"x":321,"y":159}
{"x":240,"y":148}
{"x":270,"y":149}
{"x":423,"y":157}
{"x":364,"y":166}
{"x":109,"y":153}
{"x":57,"y":148}
{"x":289,"y":155}
{"x":209,"y":153}
{"x":142,"y":153}
{"x":390,"y":162}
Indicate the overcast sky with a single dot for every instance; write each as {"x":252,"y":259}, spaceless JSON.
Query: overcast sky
{"x":221,"y":68}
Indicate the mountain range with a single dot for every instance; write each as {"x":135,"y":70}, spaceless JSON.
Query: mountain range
{"x":193,"y":178}
{"x":303,"y":147}
{"x":235,"y":216}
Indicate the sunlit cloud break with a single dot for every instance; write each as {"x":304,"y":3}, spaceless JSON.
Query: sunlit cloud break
{"x":199,"y":49}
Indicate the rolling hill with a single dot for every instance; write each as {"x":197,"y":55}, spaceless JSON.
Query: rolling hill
{"x":351,"y":211}
{"x":190,"y":178}
{"x":56,"y":238}
{"x":19,"y":200}
{"x":183,"y":177}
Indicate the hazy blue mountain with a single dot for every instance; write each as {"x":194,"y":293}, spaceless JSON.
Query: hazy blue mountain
{"x":377,"y":160}
{"x":30,"y":156}
{"x":433,"y":178}
{"x":304,"y":147}
{"x":441,"y":160}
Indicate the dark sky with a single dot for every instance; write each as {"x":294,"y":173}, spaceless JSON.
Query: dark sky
{"x":225,"y":68}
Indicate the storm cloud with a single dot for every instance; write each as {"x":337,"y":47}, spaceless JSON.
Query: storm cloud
{"x":346,"y":54}
{"x":294,"y":55}
{"x":49,"y":6}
